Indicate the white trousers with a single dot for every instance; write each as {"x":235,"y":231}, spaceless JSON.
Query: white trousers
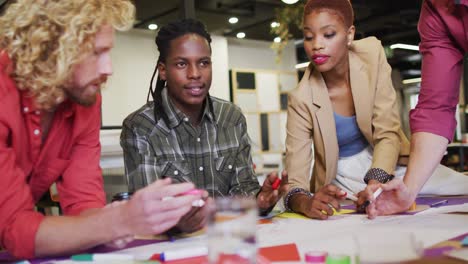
{"x":351,"y":171}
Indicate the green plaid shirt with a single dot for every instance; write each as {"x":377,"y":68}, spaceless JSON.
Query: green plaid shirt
{"x":215,"y":155}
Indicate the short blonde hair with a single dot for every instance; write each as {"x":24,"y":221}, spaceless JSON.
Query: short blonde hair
{"x":46,"y":38}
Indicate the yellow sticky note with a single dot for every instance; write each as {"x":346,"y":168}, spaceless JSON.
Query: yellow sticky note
{"x":292,"y":215}
{"x":343,"y":211}
{"x":300,"y":216}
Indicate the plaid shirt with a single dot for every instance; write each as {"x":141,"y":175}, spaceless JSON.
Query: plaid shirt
{"x":215,"y":155}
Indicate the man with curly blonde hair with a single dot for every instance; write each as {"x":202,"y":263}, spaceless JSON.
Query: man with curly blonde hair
{"x":54,"y":56}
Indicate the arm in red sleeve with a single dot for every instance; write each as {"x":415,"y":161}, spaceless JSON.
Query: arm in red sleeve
{"x":81,"y":185}
{"x":18,"y":222}
{"x":441,"y":74}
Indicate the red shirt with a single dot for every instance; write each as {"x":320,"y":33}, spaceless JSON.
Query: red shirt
{"x":444,"y":41}
{"x":69,"y":156}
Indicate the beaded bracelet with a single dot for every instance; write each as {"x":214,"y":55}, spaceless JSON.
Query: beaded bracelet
{"x":379,"y":175}
{"x":293,"y":192}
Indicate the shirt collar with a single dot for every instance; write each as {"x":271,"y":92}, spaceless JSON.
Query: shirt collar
{"x":68,"y":108}
{"x":29,"y":105}
{"x":176,"y":116}
{"x":5,"y":62}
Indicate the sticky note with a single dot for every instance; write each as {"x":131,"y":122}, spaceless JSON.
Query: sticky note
{"x":300,"y":216}
{"x":286,"y":252}
{"x":465,"y":242}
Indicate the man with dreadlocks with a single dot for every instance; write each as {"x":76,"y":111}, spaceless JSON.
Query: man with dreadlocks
{"x":186,"y":134}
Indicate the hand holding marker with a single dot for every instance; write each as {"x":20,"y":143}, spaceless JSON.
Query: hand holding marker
{"x":368,"y":202}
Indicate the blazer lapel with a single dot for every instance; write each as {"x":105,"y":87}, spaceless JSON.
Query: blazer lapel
{"x":325,"y":122}
{"x":361,"y":92}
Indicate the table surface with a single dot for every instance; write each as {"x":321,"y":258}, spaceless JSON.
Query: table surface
{"x":436,"y":256}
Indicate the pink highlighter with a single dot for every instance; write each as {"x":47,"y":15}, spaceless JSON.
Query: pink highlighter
{"x":196,"y":203}
{"x":193,"y":192}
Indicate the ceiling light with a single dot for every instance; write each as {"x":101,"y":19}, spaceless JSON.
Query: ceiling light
{"x":240,"y":35}
{"x":404,"y":46}
{"x":152,"y":26}
{"x":302,"y":65}
{"x":290,"y":2}
{"x":233,"y":20}
{"x":277,"y":40}
{"x":275,"y":24}
{"x":414,"y":80}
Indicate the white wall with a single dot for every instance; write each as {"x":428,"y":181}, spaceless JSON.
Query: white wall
{"x":220,"y":58}
{"x":257,"y":55}
{"x":134,"y":57}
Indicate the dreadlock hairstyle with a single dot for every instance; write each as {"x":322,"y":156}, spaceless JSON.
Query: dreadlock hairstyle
{"x":163,"y":40}
{"x":342,"y":7}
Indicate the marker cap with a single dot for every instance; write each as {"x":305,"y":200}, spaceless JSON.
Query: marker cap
{"x":338,"y":259}
{"x":316,"y":256}
{"x":82,"y":257}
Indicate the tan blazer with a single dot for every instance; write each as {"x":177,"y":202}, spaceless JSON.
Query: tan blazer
{"x":311,"y":123}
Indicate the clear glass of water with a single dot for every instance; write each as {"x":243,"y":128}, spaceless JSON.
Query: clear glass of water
{"x":231,"y":231}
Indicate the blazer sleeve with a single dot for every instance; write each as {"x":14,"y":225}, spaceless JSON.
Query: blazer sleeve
{"x":299,"y":144}
{"x":385,"y":119}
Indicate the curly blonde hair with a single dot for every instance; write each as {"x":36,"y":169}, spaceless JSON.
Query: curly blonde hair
{"x":46,"y":38}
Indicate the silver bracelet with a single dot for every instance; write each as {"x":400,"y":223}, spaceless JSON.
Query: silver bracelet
{"x":293,"y":192}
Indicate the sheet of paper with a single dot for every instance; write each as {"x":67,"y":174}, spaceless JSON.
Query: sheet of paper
{"x":340,"y":235}
{"x":458,"y":208}
{"x":445,"y":181}
{"x":459,"y":254}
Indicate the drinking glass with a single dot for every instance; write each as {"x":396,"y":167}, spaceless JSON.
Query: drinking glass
{"x":231,"y":231}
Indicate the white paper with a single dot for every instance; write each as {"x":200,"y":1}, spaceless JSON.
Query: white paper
{"x":459,"y":254}
{"x":458,"y":208}
{"x":341,"y":234}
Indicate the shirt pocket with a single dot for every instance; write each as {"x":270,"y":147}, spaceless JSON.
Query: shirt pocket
{"x":179,"y":171}
{"x":47,"y":174}
{"x":226,"y":168}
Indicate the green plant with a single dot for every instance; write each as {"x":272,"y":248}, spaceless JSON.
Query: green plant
{"x":287,"y":17}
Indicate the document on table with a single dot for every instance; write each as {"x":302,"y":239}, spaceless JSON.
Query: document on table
{"x":459,"y":254}
{"x":339,"y":236}
{"x":458,"y":208}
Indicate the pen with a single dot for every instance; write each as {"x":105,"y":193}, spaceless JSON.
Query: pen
{"x":183,"y":253}
{"x":368,"y":202}
{"x":438,"y":203}
{"x":108,"y":256}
